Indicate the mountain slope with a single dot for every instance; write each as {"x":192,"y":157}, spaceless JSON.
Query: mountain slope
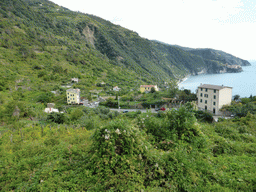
{"x":48,"y":44}
{"x":215,"y":61}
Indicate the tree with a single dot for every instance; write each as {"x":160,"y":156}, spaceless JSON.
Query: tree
{"x":76,"y":114}
{"x":182,"y":122}
{"x":24,"y":50}
{"x":59,"y":118}
{"x":236,"y":97}
{"x":45,"y":97}
{"x":2,"y":85}
{"x":153,"y":90}
{"x":172,"y":88}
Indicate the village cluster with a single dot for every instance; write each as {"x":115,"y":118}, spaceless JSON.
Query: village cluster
{"x":211,"y":98}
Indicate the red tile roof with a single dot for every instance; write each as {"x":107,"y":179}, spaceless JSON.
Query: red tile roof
{"x":147,"y":85}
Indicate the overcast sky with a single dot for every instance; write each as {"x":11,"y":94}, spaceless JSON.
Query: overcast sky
{"x":227,"y":25}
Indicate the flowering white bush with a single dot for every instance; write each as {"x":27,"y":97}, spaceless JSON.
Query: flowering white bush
{"x":118,"y":131}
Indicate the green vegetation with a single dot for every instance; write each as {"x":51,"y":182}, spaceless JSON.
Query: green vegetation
{"x":103,"y":151}
{"x":169,"y":95}
{"x":241,"y":107}
{"x":43,"y":46}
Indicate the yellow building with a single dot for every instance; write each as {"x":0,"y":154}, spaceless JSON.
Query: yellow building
{"x":213,"y":97}
{"x":73,"y":96}
{"x":148,"y":88}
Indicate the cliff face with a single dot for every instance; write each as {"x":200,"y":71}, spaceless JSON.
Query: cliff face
{"x":218,"y":61}
{"x":225,"y":58}
{"x":214,"y":67}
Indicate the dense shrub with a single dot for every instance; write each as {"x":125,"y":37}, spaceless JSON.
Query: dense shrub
{"x":76,"y":114}
{"x":204,"y":116}
{"x":59,"y":118}
{"x":45,"y":97}
{"x":116,"y":156}
{"x":183,"y":123}
{"x":89,"y":122}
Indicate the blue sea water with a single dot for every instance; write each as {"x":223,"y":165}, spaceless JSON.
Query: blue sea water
{"x":244,"y":83}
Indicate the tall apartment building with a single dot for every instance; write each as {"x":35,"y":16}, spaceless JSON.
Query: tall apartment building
{"x":73,"y":96}
{"x":213,"y":97}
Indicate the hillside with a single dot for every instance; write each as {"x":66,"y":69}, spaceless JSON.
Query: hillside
{"x":48,"y":44}
{"x":43,"y":46}
{"x":215,"y":61}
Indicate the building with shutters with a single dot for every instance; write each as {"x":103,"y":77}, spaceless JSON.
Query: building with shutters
{"x":73,"y":96}
{"x":213,"y":97}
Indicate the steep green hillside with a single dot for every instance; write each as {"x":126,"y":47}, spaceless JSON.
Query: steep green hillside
{"x":211,"y":54}
{"x":47,"y":44}
{"x":42,"y":46}
{"x":214,"y":61}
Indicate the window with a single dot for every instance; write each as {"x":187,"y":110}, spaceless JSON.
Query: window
{"x":68,"y":96}
{"x":201,"y":100}
{"x":205,"y":107}
{"x":206,"y":89}
{"x":214,"y":91}
{"x":214,"y":96}
{"x":214,"y":103}
{"x":206,"y":95}
{"x":205,"y":101}
{"x":73,"y":98}
{"x":201,"y":94}
{"x":68,"y":100}
{"x":201,"y":89}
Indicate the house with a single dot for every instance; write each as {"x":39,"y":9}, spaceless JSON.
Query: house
{"x":213,"y":97}
{"x":54,"y":92}
{"x":75,"y":80}
{"x":73,"y":96}
{"x":116,"y":88}
{"x":148,"y":88}
{"x":50,"y":108}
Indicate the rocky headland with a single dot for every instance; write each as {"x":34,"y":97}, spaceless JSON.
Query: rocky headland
{"x":219,"y":62}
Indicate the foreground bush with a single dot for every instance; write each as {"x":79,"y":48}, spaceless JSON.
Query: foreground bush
{"x":130,"y":155}
{"x":116,"y":157}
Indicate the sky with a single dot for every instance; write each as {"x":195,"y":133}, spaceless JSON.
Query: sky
{"x":227,"y":25}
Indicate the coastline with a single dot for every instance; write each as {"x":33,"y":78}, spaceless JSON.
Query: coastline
{"x":183,"y":79}
{"x":243,"y":83}
{"x":230,"y":69}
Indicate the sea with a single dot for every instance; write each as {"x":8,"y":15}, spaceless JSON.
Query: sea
{"x":244,"y":83}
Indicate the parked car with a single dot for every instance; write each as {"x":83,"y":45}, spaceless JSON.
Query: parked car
{"x":162,"y":109}
{"x":156,"y":109}
{"x":125,"y":111}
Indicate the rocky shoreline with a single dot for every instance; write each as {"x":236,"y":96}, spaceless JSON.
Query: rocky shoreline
{"x":222,"y":69}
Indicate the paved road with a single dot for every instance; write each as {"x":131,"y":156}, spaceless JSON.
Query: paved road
{"x":133,"y":110}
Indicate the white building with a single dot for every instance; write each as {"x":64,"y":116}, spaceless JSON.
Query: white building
{"x":213,"y":97}
{"x":50,"y":108}
{"x":116,"y":88}
{"x":75,"y":80}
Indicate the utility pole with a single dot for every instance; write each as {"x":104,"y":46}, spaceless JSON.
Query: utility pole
{"x":118,"y":103}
